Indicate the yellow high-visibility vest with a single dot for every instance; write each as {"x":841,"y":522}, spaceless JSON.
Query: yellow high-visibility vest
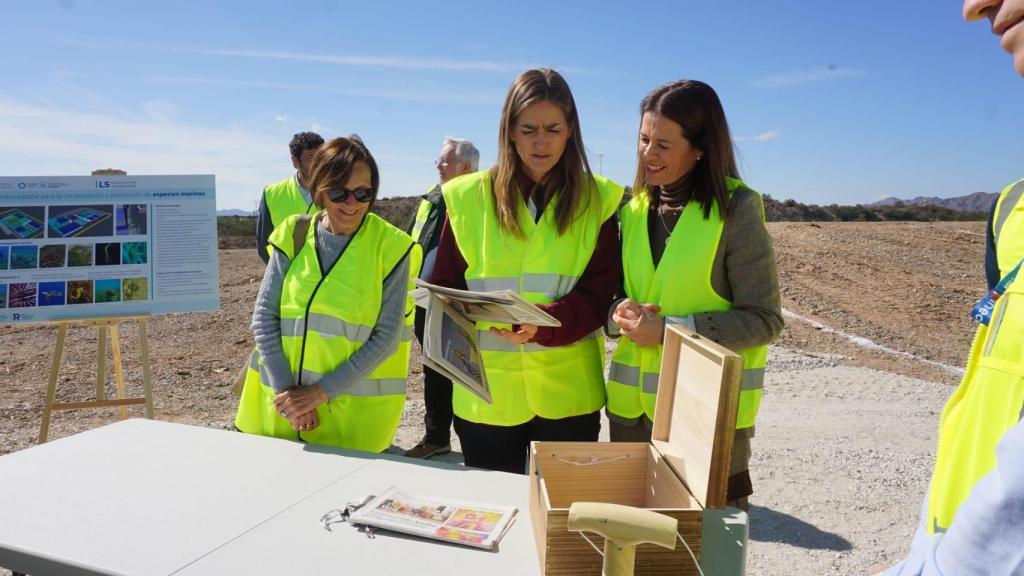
{"x":681,"y":285}
{"x":1008,"y":227}
{"x":529,"y":380}
{"x":285,"y":198}
{"x":325,"y":318}
{"x":990,"y":398}
{"x":422,"y":213}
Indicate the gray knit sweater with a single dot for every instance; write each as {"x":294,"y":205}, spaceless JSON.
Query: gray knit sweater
{"x":383,"y":340}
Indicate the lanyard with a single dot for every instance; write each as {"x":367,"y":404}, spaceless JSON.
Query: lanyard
{"x":982,"y":311}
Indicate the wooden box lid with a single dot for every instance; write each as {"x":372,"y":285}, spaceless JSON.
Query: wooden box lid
{"x":695,"y":415}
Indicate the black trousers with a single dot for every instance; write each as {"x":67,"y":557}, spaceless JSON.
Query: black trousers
{"x":507,"y":448}
{"x":437,"y":397}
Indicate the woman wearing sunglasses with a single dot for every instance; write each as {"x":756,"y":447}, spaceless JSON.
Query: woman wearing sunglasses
{"x":333,"y":317}
{"x":696,"y":253}
{"x":538,"y":223}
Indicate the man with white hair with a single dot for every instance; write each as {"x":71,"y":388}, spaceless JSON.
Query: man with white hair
{"x":457,"y":157}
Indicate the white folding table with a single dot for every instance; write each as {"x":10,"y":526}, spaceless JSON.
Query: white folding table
{"x":144,"y":497}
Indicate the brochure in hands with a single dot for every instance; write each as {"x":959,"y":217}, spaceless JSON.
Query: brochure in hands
{"x":451,"y":343}
{"x":467,"y":523}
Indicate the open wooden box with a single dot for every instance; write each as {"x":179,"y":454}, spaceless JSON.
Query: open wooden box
{"x":683,"y":470}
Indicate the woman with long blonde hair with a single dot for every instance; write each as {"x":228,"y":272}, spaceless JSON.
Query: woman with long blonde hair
{"x":539,"y":223}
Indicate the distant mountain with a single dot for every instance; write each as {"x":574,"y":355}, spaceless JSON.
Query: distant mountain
{"x":976,"y":202}
{"x":234,"y":212}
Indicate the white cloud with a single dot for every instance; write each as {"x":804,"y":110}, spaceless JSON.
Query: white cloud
{"x":408,"y":95}
{"x":811,"y":76}
{"x":281,"y":118}
{"x":160,"y":110}
{"x":762,"y":137}
{"x":47,"y":140}
{"x":399,"y":62}
{"x":402,"y":62}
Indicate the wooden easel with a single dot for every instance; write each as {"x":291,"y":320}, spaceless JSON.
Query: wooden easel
{"x":102,"y":325}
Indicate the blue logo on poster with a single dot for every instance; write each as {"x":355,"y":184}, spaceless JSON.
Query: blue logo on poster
{"x":21,"y":185}
{"x":103,"y":184}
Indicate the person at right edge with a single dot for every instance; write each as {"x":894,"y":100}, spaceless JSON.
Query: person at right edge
{"x":542,"y":224}
{"x":972,"y":516}
{"x":695,"y":252}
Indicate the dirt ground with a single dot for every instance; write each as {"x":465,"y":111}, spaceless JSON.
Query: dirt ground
{"x":877,"y":326}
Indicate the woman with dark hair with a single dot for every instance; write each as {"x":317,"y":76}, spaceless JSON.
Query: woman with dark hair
{"x":696,"y":253}
{"x":333,"y":318}
{"x":541,"y":224}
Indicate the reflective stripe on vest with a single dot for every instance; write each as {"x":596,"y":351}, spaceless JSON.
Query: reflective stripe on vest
{"x":529,"y":380}
{"x":325,"y":319}
{"x":326,"y":327}
{"x":422,"y":213}
{"x":1008,"y":227}
{"x":752,"y":379}
{"x":552,"y":286}
{"x":634,"y":372}
{"x":988,"y":402}
{"x":284,"y":199}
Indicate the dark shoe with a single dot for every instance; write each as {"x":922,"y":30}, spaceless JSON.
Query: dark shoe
{"x":425,"y":450}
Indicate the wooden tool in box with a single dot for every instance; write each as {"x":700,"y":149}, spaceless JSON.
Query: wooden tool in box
{"x":682,"y":471}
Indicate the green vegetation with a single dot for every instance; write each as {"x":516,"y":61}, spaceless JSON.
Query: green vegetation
{"x":400,"y":211}
{"x":793,"y":211}
{"x":236,"y":226}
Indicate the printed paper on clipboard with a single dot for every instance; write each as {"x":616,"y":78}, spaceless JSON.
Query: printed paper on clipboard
{"x":500,"y":306}
{"x":450,"y":347}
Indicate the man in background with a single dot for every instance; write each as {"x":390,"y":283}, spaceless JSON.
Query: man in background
{"x":972,"y":518}
{"x":288,"y":196}
{"x":457,"y":157}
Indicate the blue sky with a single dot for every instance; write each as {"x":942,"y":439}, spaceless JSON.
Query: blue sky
{"x":844,"y":102}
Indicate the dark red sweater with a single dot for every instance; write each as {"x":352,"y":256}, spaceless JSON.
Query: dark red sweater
{"x":583,"y":310}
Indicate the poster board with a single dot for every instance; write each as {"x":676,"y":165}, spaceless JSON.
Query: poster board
{"x":79,"y":247}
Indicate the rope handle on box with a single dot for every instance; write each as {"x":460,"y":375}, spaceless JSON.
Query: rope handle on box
{"x":593,"y":461}
{"x":678,"y":535}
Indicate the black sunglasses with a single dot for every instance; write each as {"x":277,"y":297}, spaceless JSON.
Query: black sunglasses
{"x":341,"y":194}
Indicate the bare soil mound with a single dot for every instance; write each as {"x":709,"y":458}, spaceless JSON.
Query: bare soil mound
{"x":906,"y":286}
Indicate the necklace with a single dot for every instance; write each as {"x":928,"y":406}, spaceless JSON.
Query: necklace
{"x":664,"y":224}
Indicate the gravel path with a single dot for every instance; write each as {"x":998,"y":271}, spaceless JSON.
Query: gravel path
{"x":841,"y":461}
